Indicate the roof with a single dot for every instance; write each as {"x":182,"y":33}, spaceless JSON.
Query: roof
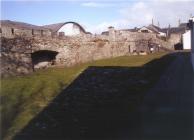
{"x":20,"y":25}
{"x":57,"y":26}
{"x":89,"y":33}
{"x":175,"y":30}
{"x":183,"y":25}
{"x":154,"y":28}
{"x":105,"y":33}
{"x":130,"y":30}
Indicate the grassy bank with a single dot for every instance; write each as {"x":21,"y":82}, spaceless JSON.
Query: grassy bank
{"x":24,"y":97}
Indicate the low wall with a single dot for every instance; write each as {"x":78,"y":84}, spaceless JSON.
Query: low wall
{"x":16,"y":52}
{"x":15,"y":57}
{"x":11,"y":32}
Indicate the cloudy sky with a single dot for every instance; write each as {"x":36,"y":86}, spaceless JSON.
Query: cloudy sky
{"x":96,"y":15}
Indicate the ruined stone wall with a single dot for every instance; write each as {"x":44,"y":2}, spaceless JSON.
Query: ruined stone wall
{"x":80,"y":50}
{"x":15,"y":57}
{"x":132,"y":39}
{"x":174,"y":39}
{"x":16,"y":52}
{"x":11,"y":32}
{"x":6,"y":32}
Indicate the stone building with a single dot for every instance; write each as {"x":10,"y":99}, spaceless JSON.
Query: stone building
{"x":137,"y":41}
{"x":174,"y":35}
{"x":152,"y":29}
{"x":10,"y":29}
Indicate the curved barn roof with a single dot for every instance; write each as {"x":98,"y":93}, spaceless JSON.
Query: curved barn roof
{"x":57,"y":26}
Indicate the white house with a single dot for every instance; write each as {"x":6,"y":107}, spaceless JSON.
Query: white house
{"x":187,"y":40}
{"x":145,"y":30}
{"x":152,"y":29}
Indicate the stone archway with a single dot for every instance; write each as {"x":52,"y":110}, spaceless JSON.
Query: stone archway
{"x":43,"y":59}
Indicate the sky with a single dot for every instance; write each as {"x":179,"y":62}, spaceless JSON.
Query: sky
{"x":97,"y":15}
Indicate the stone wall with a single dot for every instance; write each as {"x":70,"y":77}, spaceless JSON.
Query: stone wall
{"x":15,"y":57}
{"x":6,"y":32}
{"x":175,"y":39}
{"x":11,"y":32}
{"x":17,"y":52}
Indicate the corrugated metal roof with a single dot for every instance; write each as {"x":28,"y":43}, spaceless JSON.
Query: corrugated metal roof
{"x":57,"y":26}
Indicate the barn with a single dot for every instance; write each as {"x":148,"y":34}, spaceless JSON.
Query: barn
{"x":66,"y":29}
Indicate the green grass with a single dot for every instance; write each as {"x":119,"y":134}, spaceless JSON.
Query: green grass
{"x":24,"y":97}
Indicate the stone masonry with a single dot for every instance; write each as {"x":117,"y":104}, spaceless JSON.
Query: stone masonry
{"x":16,"y":53}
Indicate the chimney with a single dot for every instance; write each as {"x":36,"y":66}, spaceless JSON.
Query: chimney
{"x":158,"y":24}
{"x":168,"y":31}
{"x":152,"y":21}
{"x":111,"y":31}
{"x":168,"y":26}
{"x":179,"y":22}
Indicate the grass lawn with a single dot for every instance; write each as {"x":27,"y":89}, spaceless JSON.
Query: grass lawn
{"x":24,"y":97}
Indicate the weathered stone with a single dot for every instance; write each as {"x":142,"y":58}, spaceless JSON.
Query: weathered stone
{"x":18,"y":51}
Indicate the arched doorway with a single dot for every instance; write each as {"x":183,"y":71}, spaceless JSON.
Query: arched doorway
{"x":43,"y":59}
{"x":178,"y":46}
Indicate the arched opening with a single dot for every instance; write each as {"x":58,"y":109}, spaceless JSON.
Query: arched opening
{"x":32,"y":31}
{"x":43,"y":59}
{"x":12,"y":31}
{"x":144,"y":31}
{"x":129,"y":48}
{"x":178,"y":46}
{"x":42,"y":32}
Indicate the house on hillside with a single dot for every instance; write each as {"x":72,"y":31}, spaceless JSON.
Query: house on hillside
{"x":152,"y":29}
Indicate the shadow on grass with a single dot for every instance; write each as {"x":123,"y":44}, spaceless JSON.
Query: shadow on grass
{"x":100,"y":104}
